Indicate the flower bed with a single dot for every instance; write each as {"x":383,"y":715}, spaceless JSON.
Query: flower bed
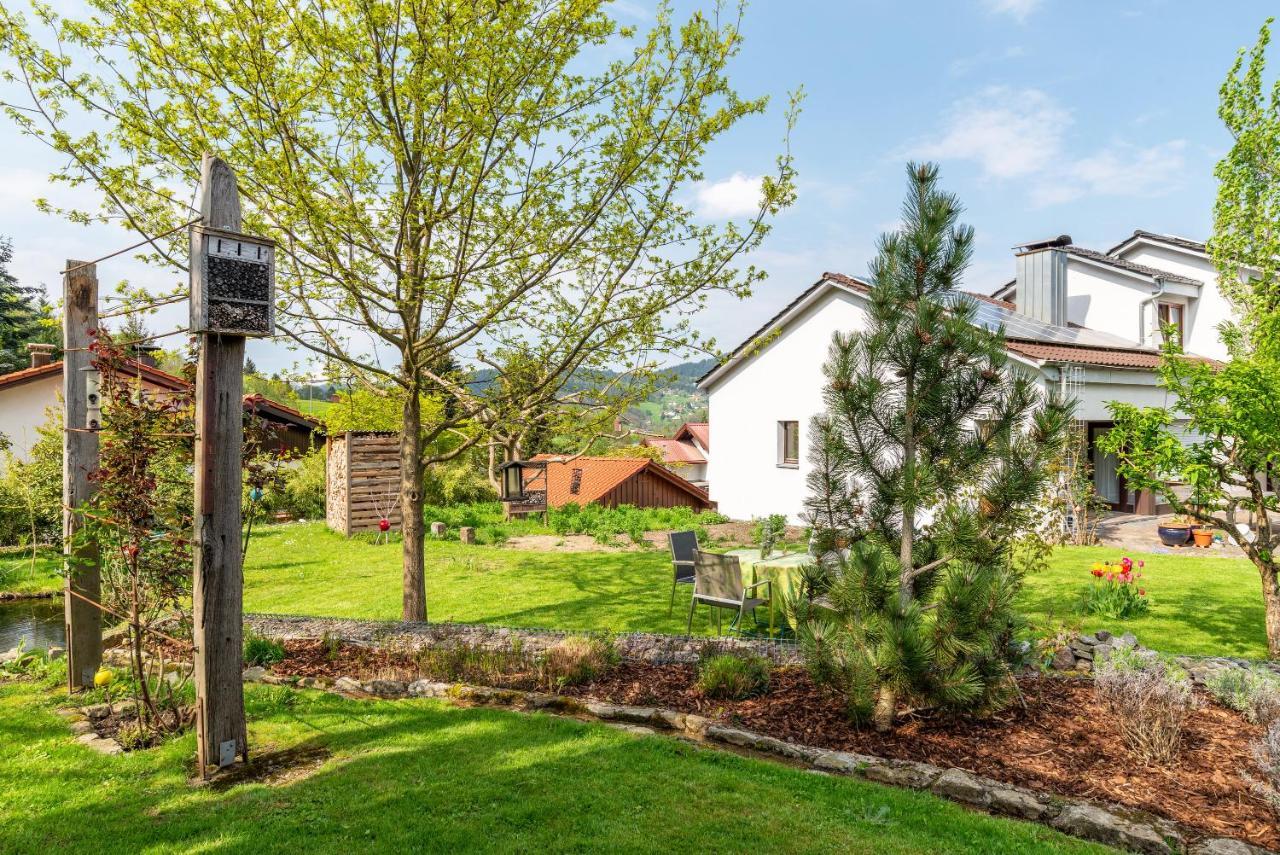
{"x":1058,"y":742}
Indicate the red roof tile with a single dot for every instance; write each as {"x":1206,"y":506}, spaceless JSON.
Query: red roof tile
{"x":589,"y":479}
{"x":1102,"y":356}
{"x":699,"y":431}
{"x":675,"y":450}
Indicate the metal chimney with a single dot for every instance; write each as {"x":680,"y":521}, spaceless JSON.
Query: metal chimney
{"x":1041,"y":290}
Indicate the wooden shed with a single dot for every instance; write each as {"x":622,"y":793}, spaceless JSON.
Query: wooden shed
{"x":362,"y":481}
{"x":613,"y":481}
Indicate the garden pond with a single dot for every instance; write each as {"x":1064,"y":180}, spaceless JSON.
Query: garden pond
{"x":31,"y":623}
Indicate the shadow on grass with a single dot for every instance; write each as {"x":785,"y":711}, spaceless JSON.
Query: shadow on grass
{"x":420,"y":776}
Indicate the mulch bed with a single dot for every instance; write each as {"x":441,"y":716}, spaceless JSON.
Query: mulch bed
{"x":1060,"y":740}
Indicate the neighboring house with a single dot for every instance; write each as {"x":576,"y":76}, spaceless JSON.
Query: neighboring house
{"x":686,"y":451}
{"x":1130,"y":290}
{"x":770,"y":388}
{"x":25,"y":396}
{"x":613,"y":481}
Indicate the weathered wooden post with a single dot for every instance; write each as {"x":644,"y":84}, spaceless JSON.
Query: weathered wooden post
{"x":79,"y":459}
{"x":232,"y":289}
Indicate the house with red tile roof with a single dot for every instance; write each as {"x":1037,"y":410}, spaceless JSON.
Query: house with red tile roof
{"x":26,"y":395}
{"x":613,"y":481}
{"x":763,"y":396}
{"x":685,"y":451}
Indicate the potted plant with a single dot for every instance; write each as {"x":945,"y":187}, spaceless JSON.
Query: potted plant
{"x":1203,"y":536}
{"x":1175,"y":532}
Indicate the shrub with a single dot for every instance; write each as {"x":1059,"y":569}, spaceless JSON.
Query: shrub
{"x":1267,"y":752}
{"x":769,"y":531}
{"x":31,"y":492}
{"x":466,"y":663}
{"x":1253,"y":692}
{"x":262,"y":651}
{"x":1149,"y":700}
{"x":576,"y":660}
{"x":303,"y":493}
{"x":733,"y":678}
{"x":1116,"y":590}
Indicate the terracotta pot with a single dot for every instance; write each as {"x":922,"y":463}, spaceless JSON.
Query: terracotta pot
{"x":1204,"y":537}
{"x":1174,"y":535}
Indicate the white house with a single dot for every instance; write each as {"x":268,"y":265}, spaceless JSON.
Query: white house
{"x":762,"y":398}
{"x":1130,"y":290}
{"x":686,"y":451}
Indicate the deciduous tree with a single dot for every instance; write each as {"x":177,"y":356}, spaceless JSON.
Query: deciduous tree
{"x":442,"y":178}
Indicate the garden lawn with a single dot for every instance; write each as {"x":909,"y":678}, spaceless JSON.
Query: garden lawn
{"x":422,"y":776}
{"x":307,"y":569}
{"x":1206,"y":605}
{"x":19,"y":575}
{"x":1201,"y":604}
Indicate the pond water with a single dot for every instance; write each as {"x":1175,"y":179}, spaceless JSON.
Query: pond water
{"x":33,"y":623}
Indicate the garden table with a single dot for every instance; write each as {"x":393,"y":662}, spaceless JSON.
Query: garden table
{"x":786,"y":572}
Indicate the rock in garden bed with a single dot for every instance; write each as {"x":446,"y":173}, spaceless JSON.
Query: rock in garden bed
{"x":1059,"y":741}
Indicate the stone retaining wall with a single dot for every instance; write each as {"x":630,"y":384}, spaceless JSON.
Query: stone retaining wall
{"x":636,"y":646}
{"x":1112,"y":825}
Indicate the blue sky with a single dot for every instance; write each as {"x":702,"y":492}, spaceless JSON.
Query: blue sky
{"x":1083,"y":117}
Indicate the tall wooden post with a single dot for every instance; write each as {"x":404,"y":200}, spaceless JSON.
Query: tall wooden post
{"x":219,"y":581}
{"x":79,"y":458}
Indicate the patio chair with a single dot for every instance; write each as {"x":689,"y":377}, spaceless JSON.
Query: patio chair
{"x":718,"y":584}
{"x":684,"y":546}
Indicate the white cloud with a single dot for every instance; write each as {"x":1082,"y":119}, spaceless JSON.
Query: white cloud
{"x":1010,"y":132}
{"x":966,"y":64}
{"x":1021,"y":134}
{"x":1018,"y":9}
{"x":736,"y":196}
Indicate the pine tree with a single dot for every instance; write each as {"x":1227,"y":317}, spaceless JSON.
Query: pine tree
{"x":926,"y":461}
{"x":24,"y":316}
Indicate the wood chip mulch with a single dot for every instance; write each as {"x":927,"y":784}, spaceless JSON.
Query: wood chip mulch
{"x":1059,"y":740}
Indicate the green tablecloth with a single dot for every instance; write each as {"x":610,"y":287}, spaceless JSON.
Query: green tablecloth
{"x":786,"y":572}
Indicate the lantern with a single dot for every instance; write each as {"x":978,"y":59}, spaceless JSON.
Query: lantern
{"x":513,"y":481}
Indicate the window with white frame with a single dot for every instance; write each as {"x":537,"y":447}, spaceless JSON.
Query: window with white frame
{"x":789,"y":444}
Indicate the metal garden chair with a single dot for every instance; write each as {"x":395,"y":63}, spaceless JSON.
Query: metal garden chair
{"x":684,"y":546}
{"x":718,"y":584}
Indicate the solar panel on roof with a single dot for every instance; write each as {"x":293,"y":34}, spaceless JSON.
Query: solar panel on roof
{"x":1020,"y":326}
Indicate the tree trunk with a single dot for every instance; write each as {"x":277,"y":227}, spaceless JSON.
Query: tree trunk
{"x":905,"y":552}
{"x":415,"y":583}
{"x":886,"y":706}
{"x":1271,"y":599}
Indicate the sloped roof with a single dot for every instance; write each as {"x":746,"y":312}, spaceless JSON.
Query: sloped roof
{"x":699,"y":431}
{"x":589,"y":479}
{"x":273,"y":410}
{"x":1129,"y":266}
{"x":148,"y":372}
{"x":995,"y":301}
{"x":675,"y":450}
{"x":1157,"y":237}
{"x":1100,"y":356}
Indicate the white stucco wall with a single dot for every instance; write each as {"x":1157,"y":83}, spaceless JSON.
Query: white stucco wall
{"x":22,"y":410}
{"x":1208,"y":311}
{"x":1104,"y":300}
{"x":783,"y":382}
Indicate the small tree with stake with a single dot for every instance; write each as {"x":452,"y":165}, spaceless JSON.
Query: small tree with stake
{"x":924,"y":417}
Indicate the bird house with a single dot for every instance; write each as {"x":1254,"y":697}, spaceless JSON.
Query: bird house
{"x":233,"y":283}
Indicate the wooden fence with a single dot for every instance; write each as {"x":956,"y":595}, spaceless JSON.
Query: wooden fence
{"x":362,"y":481}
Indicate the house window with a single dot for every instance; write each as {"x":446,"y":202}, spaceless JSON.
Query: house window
{"x":1171,"y":314}
{"x":788,"y":443}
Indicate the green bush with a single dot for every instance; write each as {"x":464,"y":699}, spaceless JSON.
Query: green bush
{"x":733,"y":678}
{"x":31,"y":491}
{"x":262,"y":651}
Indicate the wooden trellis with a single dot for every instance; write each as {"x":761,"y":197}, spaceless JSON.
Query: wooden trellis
{"x":362,"y":481}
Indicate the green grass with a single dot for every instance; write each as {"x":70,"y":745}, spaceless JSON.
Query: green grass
{"x":1200,"y":605}
{"x":422,"y":776}
{"x":307,"y":569}
{"x":19,"y":575}
{"x":314,"y":408}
